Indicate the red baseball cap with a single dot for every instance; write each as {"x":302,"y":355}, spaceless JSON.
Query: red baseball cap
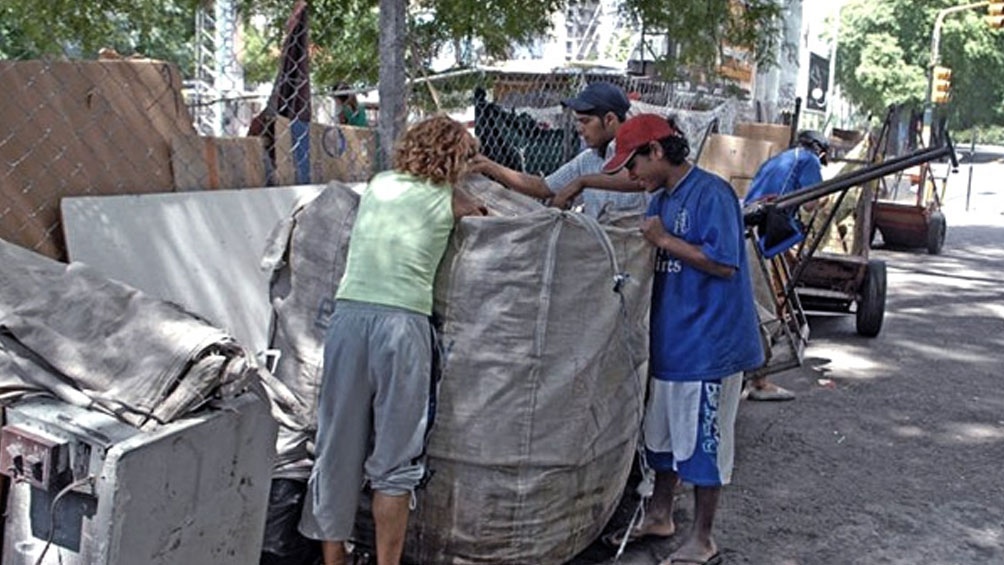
{"x":636,"y":133}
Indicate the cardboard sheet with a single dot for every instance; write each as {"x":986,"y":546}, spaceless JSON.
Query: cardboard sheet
{"x":341,"y":153}
{"x":735,"y":159}
{"x":201,"y":163}
{"x":778,"y":134}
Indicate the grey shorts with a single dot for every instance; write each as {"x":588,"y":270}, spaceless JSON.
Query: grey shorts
{"x":372,"y":415}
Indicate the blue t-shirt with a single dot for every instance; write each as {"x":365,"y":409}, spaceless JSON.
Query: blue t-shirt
{"x":785,"y":172}
{"x":703,"y":327}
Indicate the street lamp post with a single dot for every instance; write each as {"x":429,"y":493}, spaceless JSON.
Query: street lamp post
{"x":935,"y":41}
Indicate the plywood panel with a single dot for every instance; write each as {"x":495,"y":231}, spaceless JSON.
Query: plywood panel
{"x":343,"y":153}
{"x":779,"y":135}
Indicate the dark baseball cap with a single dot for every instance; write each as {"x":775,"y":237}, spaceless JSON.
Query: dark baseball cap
{"x":813,"y":139}
{"x":600,"y":98}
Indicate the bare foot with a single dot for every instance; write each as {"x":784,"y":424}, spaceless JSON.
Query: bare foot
{"x":647,"y":529}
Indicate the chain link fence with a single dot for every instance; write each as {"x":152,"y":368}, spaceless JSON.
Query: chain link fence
{"x":119,"y":125}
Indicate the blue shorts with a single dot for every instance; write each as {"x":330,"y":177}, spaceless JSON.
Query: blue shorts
{"x":690,"y":428}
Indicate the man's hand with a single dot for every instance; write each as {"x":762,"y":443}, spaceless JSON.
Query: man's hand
{"x":653,"y":230}
{"x":563,"y":198}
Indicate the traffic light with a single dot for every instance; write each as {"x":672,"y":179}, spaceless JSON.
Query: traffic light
{"x":941,"y":84}
{"x":995,"y":15}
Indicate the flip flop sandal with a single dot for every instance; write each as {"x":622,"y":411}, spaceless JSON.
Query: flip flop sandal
{"x":715,"y":559}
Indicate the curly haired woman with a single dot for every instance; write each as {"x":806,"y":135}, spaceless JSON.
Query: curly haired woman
{"x":378,"y":351}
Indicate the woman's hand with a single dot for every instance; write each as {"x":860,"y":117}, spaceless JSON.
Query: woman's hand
{"x":465,"y":204}
{"x":480,"y":164}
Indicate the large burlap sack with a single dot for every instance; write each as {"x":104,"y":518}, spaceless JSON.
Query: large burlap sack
{"x":544,"y":332}
{"x":542,"y":388}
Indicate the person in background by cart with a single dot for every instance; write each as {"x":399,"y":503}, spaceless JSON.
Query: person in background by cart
{"x":784,"y":173}
{"x":350,"y":111}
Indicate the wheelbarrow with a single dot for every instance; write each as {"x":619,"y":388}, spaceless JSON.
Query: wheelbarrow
{"x":913,"y":224}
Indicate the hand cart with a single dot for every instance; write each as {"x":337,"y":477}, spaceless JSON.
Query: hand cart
{"x":831,"y":282}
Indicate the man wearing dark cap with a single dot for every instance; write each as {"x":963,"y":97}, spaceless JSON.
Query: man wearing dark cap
{"x":703,"y":330}
{"x":791,"y":170}
{"x":784,"y":173}
{"x":599,"y":108}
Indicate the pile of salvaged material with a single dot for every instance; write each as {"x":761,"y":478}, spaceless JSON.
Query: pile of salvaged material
{"x":543,"y":318}
{"x":68,"y":331}
{"x":116,"y":127}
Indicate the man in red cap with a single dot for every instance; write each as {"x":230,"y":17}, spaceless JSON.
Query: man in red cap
{"x":704,"y":331}
{"x":599,"y":108}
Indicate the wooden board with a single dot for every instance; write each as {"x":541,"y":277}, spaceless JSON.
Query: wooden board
{"x":735,"y":159}
{"x":342,"y":153}
{"x":778,"y":134}
{"x":211,"y":163}
{"x":202,"y":250}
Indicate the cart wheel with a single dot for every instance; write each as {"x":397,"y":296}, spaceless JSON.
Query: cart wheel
{"x":936,"y":229}
{"x":871,"y":305}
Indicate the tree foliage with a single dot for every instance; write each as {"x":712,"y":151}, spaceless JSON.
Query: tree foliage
{"x":74,"y":28}
{"x":702,"y":29}
{"x":884,"y":53}
{"x":345,"y":33}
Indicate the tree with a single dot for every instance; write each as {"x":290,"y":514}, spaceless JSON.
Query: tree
{"x":345,"y":31}
{"x":71,"y":28}
{"x":702,"y":29}
{"x":884,"y":54}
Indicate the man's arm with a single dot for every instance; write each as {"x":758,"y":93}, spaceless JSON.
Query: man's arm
{"x":520,"y":182}
{"x":620,"y":182}
{"x":656,"y":233}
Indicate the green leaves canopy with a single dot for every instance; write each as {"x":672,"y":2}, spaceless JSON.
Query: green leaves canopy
{"x":75,"y":28}
{"x":884,"y":52}
{"x":345,"y":33}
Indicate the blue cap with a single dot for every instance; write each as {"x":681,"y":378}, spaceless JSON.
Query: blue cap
{"x":600,"y":98}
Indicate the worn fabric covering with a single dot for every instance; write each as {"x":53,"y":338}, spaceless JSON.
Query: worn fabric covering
{"x":543,"y":371}
{"x":93,"y":342}
{"x":306,"y":255}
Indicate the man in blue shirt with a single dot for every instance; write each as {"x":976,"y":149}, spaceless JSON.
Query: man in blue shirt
{"x":704,"y":332}
{"x":599,"y":109}
{"x":782,"y":174}
{"x":790,"y":170}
